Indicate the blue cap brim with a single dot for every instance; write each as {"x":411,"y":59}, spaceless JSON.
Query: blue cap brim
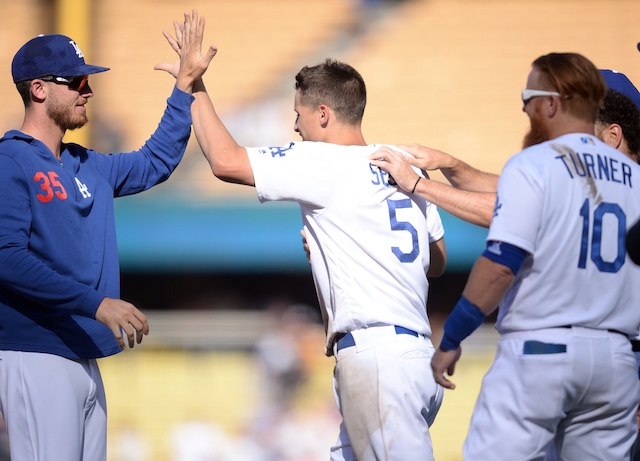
{"x":85,"y":69}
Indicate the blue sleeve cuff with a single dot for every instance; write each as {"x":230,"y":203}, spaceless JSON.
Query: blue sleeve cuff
{"x":91,"y":303}
{"x":505,"y":254}
{"x":181,"y":97}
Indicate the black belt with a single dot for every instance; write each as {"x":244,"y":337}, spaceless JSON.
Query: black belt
{"x":346,"y":339}
{"x":610,"y":330}
{"x":635,"y":344}
{"x":538,"y":347}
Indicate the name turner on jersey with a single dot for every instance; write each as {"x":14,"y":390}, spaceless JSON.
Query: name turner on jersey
{"x":597,"y":167}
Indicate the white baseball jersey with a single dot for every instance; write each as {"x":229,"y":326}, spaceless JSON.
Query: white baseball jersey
{"x":369,"y":242}
{"x":569,"y":202}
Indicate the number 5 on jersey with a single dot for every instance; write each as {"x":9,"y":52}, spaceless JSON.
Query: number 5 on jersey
{"x":403,"y":226}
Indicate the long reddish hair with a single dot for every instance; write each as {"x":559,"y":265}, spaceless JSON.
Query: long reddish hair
{"x":578,"y":81}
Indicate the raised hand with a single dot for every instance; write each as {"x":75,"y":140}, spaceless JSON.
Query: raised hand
{"x":188,"y":45}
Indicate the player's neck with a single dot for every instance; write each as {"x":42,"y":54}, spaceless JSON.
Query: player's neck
{"x":575,"y":126}
{"x":43,"y":129}
{"x":346,"y":136}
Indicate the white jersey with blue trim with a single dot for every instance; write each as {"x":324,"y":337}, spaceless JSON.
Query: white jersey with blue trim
{"x":569,"y":203}
{"x":369,"y":242}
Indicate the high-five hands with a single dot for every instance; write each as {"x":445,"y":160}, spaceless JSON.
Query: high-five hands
{"x":188,"y":45}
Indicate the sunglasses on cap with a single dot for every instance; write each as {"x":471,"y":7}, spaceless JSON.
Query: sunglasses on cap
{"x":74,"y":83}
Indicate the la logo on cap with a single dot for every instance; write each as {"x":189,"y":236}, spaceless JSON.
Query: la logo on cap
{"x":77,"y":48}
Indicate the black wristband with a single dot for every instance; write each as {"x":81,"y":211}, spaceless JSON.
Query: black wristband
{"x":416,"y":184}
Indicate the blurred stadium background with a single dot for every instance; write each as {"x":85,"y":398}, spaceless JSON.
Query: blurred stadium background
{"x":233,"y":368}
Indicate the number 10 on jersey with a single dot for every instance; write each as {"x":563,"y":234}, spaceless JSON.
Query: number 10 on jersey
{"x":592,"y":223}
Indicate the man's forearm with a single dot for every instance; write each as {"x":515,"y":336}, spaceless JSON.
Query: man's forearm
{"x":473,"y":207}
{"x":487,"y":284}
{"x":227,"y":159}
{"x":463,"y":176}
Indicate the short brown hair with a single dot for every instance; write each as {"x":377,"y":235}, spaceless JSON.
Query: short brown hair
{"x":336,"y":84}
{"x":24,"y":88}
{"x":578,"y":81}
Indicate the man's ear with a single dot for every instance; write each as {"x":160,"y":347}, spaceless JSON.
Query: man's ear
{"x":324,"y":114}
{"x":552,"y":106}
{"x":612,"y":135}
{"x":38,"y":91}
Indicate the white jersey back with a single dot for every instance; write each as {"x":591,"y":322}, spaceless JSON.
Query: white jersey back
{"x":369,"y":243}
{"x":569,"y":202}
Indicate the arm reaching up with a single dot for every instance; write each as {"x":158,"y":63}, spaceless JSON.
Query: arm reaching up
{"x":228,"y":160}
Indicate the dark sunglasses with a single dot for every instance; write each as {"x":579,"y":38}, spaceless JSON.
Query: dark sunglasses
{"x":74,"y":83}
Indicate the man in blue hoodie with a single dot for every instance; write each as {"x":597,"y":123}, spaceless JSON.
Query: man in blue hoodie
{"x":59,"y":273}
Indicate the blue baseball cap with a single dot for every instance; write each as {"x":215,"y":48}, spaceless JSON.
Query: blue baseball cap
{"x":55,"y":54}
{"x":618,"y":81}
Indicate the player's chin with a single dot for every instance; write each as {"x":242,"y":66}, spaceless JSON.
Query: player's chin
{"x":77,"y":122}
